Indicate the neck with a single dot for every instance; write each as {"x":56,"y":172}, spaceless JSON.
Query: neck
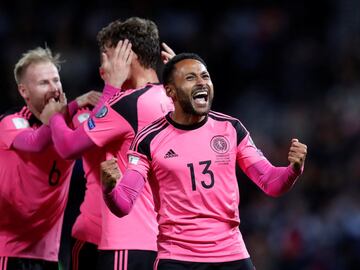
{"x":33,"y":111}
{"x":186,"y":119}
{"x":142,"y":77}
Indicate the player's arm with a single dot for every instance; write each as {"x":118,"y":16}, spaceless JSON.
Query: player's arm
{"x":120,"y":193}
{"x":31,"y":140}
{"x":274,"y":181}
{"x":16,"y":133}
{"x":69,"y":143}
{"x":89,"y":98}
{"x":166,"y":53}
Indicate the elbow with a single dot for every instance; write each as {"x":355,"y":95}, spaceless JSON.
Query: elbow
{"x":64,"y":155}
{"x":276,"y":192}
{"x":119,"y":206}
{"x":120,"y":211}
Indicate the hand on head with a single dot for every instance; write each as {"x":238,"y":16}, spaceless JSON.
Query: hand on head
{"x":116,"y":63}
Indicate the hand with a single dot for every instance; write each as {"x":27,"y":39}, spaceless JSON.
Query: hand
{"x":110,"y":174}
{"x":115,"y":65}
{"x":167,"y":53}
{"x":90,"y":98}
{"x":53,"y":107}
{"x":297,"y":155}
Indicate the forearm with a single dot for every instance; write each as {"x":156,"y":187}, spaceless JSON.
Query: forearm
{"x":274,"y":181}
{"x":33,"y":140}
{"x":73,"y":106}
{"x":64,"y":138}
{"x":107,"y":93}
{"x":121,"y":199}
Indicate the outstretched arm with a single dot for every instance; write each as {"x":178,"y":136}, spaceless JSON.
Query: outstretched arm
{"x":64,"y":137}
{"x":120,"y":194}
{"x":33,"y":140}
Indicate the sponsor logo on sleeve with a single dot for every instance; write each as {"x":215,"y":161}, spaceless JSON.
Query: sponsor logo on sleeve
{"x":20,"y":123}
{"x":83,"y":117}
{"x":102,"y":112}
{"x":91,"y":123}
{"x":133,"y":159}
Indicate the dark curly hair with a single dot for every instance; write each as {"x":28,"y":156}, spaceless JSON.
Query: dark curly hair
{"x":169,"y":67}
{"x":143,"y":35}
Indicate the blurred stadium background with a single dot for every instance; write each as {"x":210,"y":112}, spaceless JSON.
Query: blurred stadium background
{"x":284,"y":68}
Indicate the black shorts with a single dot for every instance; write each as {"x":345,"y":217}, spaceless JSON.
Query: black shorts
{"x":12,"y":263}
{"x":165,"y":264}
{"x":126,"y":259}
{"x":84,"y":255}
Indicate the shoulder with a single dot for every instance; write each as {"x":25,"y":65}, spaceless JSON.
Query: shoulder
{"x":17,"y":117}
{"x":241,"y":131}
{"x":143,"y":139}
{"x":129,"y":96}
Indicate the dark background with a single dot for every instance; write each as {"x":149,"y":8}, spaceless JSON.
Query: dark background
{"x":284,"y":68}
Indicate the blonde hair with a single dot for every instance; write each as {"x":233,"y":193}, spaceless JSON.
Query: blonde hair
{"x":37,"y":55}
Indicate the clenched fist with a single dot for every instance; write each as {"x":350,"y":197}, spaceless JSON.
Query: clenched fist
{"x":297,"y":154}
{"x":110,"y":174}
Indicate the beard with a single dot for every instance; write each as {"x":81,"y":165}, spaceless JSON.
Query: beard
{"x":188,"y":107}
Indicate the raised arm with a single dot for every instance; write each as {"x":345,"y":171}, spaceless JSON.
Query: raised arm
{"x":120,"y":193}
{"x":274,"y":181}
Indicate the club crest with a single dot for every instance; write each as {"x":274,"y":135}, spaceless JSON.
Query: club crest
{"x":220,"y":144}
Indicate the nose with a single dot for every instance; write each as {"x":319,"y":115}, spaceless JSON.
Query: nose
{"x":200,"y":81}
{"x":55,"y":88}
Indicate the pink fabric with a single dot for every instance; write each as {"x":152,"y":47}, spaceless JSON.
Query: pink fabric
{"x":113,"y":131}
{"x":64,"y":138}
{"x":121,"y":199}
{"x":87,"y":226}
{"x":107,"y":93}
{"x":274,"y":181}
{"x":195,"y":186}
{"x":73,"y":107}
{"x":33,"y":140}
{"x":34,"y":191}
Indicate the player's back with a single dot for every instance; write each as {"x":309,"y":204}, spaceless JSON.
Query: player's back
{"x":125,"y":114}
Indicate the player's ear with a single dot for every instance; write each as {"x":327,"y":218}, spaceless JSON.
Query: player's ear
{"x":170,"y":90}
{"x":23,"y":91}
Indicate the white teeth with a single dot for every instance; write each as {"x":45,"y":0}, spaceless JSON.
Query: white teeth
{"x":201,"y":94}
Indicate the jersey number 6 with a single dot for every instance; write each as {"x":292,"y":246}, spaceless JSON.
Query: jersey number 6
{"x":54,"y":175}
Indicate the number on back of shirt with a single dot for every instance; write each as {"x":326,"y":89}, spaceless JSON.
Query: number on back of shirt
{"x":209,"y":183}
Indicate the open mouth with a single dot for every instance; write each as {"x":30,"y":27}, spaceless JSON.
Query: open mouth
{"x":201,"y":97}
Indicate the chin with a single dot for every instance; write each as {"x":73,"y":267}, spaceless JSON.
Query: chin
{"x":202,"y":112}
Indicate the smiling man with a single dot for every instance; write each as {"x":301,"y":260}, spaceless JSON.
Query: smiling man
{"x":34,"y":179}
{"x":189,"y":158}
